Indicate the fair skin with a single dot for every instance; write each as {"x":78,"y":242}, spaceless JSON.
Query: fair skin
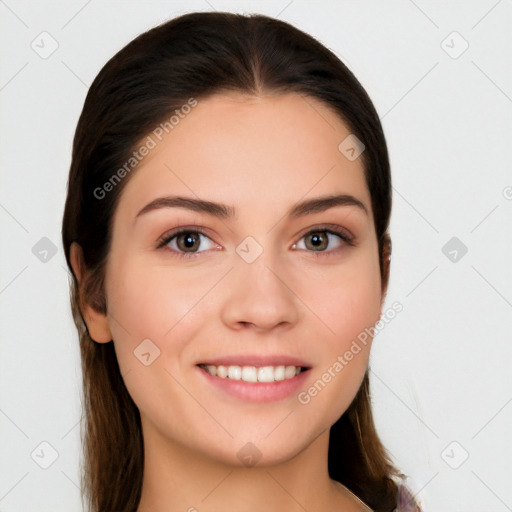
{"x":260,"y":155}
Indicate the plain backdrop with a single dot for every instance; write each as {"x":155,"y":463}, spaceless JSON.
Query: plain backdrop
{"x":439,"y":75}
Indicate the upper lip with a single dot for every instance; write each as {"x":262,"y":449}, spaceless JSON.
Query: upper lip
{"x":256,"y":360}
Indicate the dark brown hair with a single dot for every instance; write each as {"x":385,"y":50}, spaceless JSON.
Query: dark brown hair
{"x":195,"y":56}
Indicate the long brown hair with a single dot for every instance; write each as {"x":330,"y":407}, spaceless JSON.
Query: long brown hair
{"x":194,"y":56}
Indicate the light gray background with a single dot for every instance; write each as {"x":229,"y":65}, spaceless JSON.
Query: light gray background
{"x":441,"y":391}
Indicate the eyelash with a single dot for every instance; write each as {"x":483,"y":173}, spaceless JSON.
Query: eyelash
{"x":327,"y":228}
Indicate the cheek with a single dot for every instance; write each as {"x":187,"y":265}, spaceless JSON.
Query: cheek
{"x":346,"y":301}
{"x":156,"y":303}
{"x":163,"y":305}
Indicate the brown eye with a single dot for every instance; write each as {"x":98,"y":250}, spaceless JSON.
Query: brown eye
{"x":318,"y":240}
{"x":188,"y":241}
{"x":184,"y":242}
{"x":324,"y":240}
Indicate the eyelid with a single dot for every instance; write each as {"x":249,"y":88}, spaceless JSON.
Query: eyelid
{"x":189,"y":228}
{"x":332,"y":228}
{"x":347,"y":238}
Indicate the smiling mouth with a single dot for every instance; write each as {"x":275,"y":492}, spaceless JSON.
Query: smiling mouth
{"x":254,"y":373}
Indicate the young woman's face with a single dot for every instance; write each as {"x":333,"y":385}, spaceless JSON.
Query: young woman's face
{"x":258,"y":277}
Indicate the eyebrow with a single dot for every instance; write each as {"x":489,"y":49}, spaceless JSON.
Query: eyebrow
{"x":222,"y":211}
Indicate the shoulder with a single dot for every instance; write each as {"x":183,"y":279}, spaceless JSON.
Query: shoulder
{"x":358,"y":504}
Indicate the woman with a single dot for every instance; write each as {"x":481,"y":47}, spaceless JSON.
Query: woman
{"x":226,"y":225}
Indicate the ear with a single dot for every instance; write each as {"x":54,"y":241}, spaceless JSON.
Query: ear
{"x":96,"y":321}
{"x":386,"y":265}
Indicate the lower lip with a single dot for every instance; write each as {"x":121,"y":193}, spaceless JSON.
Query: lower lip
{"x":257,"y":391}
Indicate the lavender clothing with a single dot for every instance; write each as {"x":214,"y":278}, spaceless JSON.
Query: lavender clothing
{"x":405,"y":501}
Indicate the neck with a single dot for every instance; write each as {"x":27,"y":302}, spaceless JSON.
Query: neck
{"x":179,"y":479}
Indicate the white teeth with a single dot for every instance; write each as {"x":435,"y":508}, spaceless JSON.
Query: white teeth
{"x":289,"y":372}
{"x":253,"y":373}
{"x":235,"y":372}
{"x":279,"y":373}
{"x":266,"y":374}
{"x":249,"y":374}
{"x":222,"y":371}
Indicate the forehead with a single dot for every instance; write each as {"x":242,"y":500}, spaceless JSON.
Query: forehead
{"x":249,"y":150}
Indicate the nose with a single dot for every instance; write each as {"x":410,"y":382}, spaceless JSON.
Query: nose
{"x":259,"y":296}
